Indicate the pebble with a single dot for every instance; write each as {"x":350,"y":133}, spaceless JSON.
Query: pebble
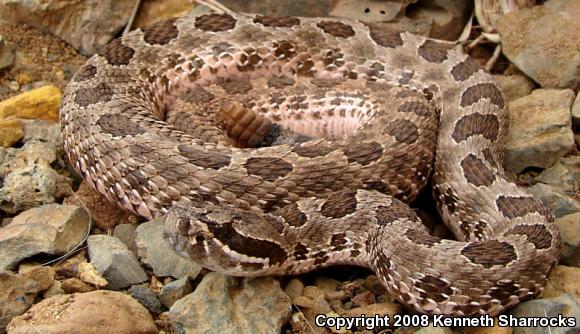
{"x":31,"y":154}
{"x":542,"y":42}
{"x":174,"y":291}
{"x":381,"y":309}
{"x":570,"y":233}
{"x":156,"y":254}
{"x":17,"y":293}
{"x":115,"y":262}
{"x":326,"y":284}
{"x":224,"y":304}
{"x":96,"y":312}
{"x":50,"y":229}
{"x":74,"y":285}
{"x":147,"y":298}
{"x":364,"y":298}
{"x":540,"y":130}
{"x":294,"y":288}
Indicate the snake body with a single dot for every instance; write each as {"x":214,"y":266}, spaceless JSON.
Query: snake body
{"x":376,"y":113}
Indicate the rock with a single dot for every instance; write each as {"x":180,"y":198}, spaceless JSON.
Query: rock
{"x":541,"y":41}
{"x":147,"y":298}
{"x":32,"y":186}
{"x":576,"y":111}
{"x":6,"y":54}
{"x":126,"y":233}
{"x":363,"y":298}
{"x":115,"y":262}
{"x":41,"y":103}
{"x":89,"y":274}
{"x":174,"y":291}
{"x":326,"y":284}
{"x":540,"y":129}
{"x":92,"y":312}
{"x":10,"y":132}
{"x":50,"y":229}
{"x":496,"y":329}
{"x":563,"y":280}
{"x":44,"y":131}
{"x":54,"y":290}
{"x":156,"y":254}
{"x":434,"y":330}
{"x":514,"y":86}
{"x":159,"y":10}
{"x":294,"y":288}
{"x":381,"y":309}
{"x":570,"y":232}
{"x":224,"y":304}
{"x":31,"y":154}
{"x":17,"y":293}
{"x":43,"y":275}
{"x":564,"y":305}
{"x":564,"y":175}
{"x":559,"y":203}
{"x":75,"y":285}
{"x":105,"y":214}
{"x":89,"y":25}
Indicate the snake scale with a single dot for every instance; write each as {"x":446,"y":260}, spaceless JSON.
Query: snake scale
{"x":304,"y":139}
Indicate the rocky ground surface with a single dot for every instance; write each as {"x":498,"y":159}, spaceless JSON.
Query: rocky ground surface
{"x":70,"y":262}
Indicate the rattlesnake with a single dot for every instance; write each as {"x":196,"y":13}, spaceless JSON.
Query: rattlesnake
{"x":384,"y":101}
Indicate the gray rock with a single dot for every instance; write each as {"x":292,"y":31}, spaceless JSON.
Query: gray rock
{"x":570,"y":232}
{"x":115,"y":262}
{"x":32,"y":186}
{"x":89,"y":24}
{"x":174,"y":291}
{"x":147,"y":298}
{"x":564,"y":175}
{"x":40,"y":130}
{"x":540,"y":41}
{"x":559,"y":203}
{"x":540,"y":129}
{"x":576,"y":111}
{"x":126,"y":233}
{"x":224,"y":304}
{"x":17,"y":293}
{"x":31,"y":154}
{"x":51,"y":229}
{"x":156,"y":254}
{"x":514,"y":86}
{"x":563,"y":305}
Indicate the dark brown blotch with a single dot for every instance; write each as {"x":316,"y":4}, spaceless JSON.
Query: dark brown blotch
{"x":277,"y":21}
{"x":339,"y":204}
{"x":336,"y":29}
{"x":476,"y":171}
{"x":447,"y":197}
{"x":338,"y":241}
{"x":385,"y":37}
{"x":204,"y":158}
{"x":489,"y":253}
{"x":404,"y":131}
{"x":421,"y":237}
{"x":161,"y":33}
{"x":215,"y":22}
{"x":320,"y":258}
{"x":476,"y":124}
{"x":85,"y":73}
{"x":465,"y":69}
{"x":116,"y":53}
{"x":312,"y":151}
{"x":386,"y":215}
{"x":283,"y":49}
{"x":434,"y":52}
{"x":416,"y":107}
{"x":280,"y":82}
{"x":300,"y":251}
{"x":514,"y":207}
{"x":434,"y":287}
{"x":88,"y":96}
{"x":481,"y":91}
{"x":292,"y":215}
{"x":119,"y":125}
{"x":364,"y":153}
{"x":539,"y":235}
{"x":268,"y":169}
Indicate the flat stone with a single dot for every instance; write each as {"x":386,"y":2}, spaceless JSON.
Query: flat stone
{"x":570,"y":232}
{"x":50,"y":229}
{"x":115,"y":262}
{"x":174,"y":291}
{"x":126,"y":233}
{"x":147,"y":298}
{"x":294,"y":288}
{"x":559,"y":203}
{"x":564,"y":175}
{"x":33,"y":153}
{"x":17,"y":293}
{"x":224,"y":304}
{"x":96,"y":312}
{"x":514,"y":86}
{"x":563,"y":280}
{"x":157,"y":255}
{"x":41,"y":103}
{"x":41,"y":130}
{"x":564,"y":305}
{"x":540,"y":130}
{"x":542,"y":42}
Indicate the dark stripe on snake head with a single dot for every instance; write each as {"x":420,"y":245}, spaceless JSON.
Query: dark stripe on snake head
{"x":116,"y":53}
{"x":336,"y":29}
{"x":161,"y":33}
{"x":268,"y":169}
{"x":92,"y":95}
{"x":119,"y":125}
{"x":539,"y":235}
{"x":215,"y":22}
{"x":489,"y":253}
{"x":476,"y":124}
{"x":277,"y":21}
{"x":514,"y":207}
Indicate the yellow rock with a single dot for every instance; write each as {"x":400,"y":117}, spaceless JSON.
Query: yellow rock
{"x":10,"y":132}
{"x":563,"y":279}
{"x":41,"y":103}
